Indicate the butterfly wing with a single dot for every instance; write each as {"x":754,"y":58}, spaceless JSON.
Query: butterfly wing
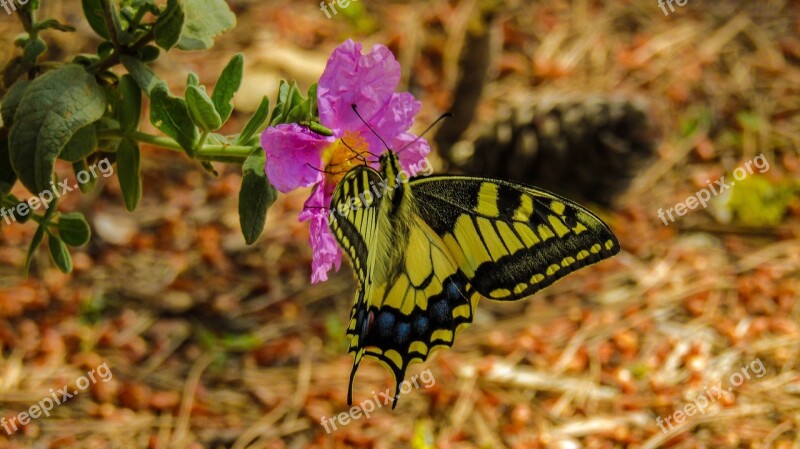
{"x":412,"y":297}
{"x":418,"y":308}
{"x":511,"y":240}
{"x":353,"y":220}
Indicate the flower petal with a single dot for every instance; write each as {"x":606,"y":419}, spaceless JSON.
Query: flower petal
{"x":326,"y":252}
{"x":290,"y":150}
{"x":413,"y":156}
{"x":367,"y":81}
{"x":396,"y":118}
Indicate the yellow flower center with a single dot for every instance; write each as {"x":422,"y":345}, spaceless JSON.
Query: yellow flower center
{"x":343,"y":154}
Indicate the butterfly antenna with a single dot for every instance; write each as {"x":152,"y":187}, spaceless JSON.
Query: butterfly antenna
{"x":355,"y":109}
{"x":358,"y":155}
{"x":323,"y":171}
{"x":441,"y":117}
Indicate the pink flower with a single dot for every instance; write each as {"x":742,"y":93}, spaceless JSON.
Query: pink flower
{"x":297,"y":157}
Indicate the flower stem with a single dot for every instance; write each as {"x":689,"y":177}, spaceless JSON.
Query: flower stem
{"x":224,"y":152}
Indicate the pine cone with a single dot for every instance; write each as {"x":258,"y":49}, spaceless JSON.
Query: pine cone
{"x":589,"y":147}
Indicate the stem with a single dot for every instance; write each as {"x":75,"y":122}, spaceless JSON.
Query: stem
{"x":112,"y":30}
{"x":210,"y":152}
{"x":113,"y":59}
{"x":200,"y":142}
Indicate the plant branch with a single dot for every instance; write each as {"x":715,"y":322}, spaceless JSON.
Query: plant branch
{"x":113,"y":59}
{"x":112,"y":30}
{"x":223,"y":152}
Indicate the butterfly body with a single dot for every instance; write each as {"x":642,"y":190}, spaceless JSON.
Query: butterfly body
{"x":425,"y":249}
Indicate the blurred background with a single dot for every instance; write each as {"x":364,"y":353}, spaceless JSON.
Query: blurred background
{"x":627,"y":106}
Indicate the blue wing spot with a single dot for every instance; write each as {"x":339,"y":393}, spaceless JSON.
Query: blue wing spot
{"x":440,"y":311}
{"x":452,"y":291}
{"x":420,"y":325}
{"x":385,"y":323}
{"x":401,"y":333}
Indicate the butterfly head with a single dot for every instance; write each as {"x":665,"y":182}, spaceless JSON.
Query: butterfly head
{"x":391,"y":171}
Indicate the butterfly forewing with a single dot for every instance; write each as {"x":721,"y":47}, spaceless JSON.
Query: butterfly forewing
{"x":353,"y":219}
{"x":511,"y":240}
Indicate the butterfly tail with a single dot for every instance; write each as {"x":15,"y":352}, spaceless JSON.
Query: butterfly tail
{"x":356,"y":362}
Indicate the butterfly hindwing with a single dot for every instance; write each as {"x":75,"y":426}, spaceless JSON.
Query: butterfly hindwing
{"x":412,"y":296}
{"x":510,"y":239}
{"x":353,"y":219}
{"x":420,"y":308}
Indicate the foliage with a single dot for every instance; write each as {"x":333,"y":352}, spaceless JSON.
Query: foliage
{"x":79,"y":111}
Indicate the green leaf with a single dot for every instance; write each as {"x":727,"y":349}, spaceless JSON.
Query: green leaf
{"x":59,"y":253}
{"x":53,"y":108}
{"x":169,"y":25}
{"x":11,"y":101}
{"x":228,"y":83}
{"x":192,"y":79}
{"x":7,"y":176}
{"x":73,"y":229}
{"x":33,"y":48}
{"x":289,"y":97}
{"x":82,"y":144}
{"x":283,"y":93}
{"x":14,"y":68}
{"x":255,"y":197}
{"x":15,"y":215}
{"x":171,"y":115}
{"x":123,"y":36}
{"x":142,"y":74}
{"x":300,"y":112}
{"x":93,"y":10}
{"x":88,"y":186}
{"x":38,"y":236}
{"x":130,"y":104}
{"x":312,"y":98}
{"x":105,"y":49}
{"x":129,"y":173}
{"x":201,"y":108}
{"x":205,"y":19}
{"x":21,"y":39}
{"x":54,"y":24}
{"x":256,"y":124}
{"x":148,"y":53}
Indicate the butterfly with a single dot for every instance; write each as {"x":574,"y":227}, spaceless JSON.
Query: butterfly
{"x":424,"y":249}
